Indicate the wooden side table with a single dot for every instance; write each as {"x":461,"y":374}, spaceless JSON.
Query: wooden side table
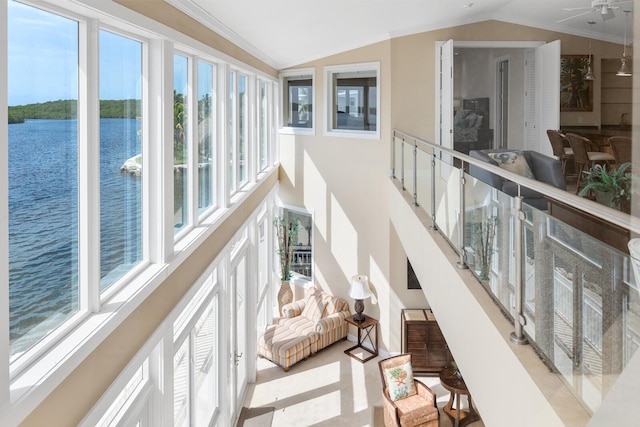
{"x":368,"y":325}
{"x":457,"y":387}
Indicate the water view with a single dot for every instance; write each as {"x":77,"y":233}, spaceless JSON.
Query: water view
{"x":43,"y":219}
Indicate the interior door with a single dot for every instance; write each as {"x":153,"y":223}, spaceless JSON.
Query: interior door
{"x":444,"y":120}
{"x":547,"y":81}
{"x":238,"y":335}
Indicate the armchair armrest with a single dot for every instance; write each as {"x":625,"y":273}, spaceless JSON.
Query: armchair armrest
{"x":332,"y":321}
{"x":293,"y":309}
{"x":390,"y":412}
{"x":425,"y":392}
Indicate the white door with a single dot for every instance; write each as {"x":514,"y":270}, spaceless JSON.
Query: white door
{"x":547,"y":69}
{"x":238,"y":334}
{"x":444,"y":119}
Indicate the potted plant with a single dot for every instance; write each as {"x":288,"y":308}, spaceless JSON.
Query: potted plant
{"x":612,"y":188}
{"x":287,"y":235}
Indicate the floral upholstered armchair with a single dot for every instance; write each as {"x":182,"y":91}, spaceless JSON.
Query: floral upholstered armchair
{"x":407,"y":402}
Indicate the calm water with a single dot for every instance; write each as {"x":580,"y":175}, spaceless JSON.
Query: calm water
{"x":43,"y":219}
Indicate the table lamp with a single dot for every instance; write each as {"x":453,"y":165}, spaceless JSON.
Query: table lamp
{"x":359,"y":290}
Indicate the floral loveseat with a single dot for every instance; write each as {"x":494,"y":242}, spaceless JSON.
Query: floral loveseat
{"x":307,"y":326}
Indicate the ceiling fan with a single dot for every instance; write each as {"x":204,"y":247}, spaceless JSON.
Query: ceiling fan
{"x":604,"y":7}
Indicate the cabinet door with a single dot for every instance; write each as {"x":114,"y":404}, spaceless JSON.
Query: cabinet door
{"x":416,"y":344}
{"x":437,"y":350}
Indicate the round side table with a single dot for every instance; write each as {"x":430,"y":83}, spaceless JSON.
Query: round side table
{"x":457,"y":387}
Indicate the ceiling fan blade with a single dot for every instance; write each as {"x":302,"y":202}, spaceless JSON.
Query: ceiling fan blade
{"x":573,"y":17}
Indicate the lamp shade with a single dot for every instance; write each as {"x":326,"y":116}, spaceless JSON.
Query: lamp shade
{"x":359,"y":287}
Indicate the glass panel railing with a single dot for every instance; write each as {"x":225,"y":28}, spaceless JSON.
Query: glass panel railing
{"x":397,"y":157}
{"x":447,"y":192}
{"x":409,"y":173}
{"x":424,"y":180}
{"x":570,"y":280}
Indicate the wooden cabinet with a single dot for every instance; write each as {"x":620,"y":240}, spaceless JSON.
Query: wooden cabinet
{"x":421,"y":336}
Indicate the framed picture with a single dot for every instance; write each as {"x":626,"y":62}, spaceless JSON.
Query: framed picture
{"x":576,"y":93}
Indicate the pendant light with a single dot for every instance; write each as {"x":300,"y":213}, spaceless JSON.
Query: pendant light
{"x":589,"y":75}
{"x":624,"y":70}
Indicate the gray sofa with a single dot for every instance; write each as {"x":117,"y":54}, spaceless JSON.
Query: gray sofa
{"x":545,"y":169}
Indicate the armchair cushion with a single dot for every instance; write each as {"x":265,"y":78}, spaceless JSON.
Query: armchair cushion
{"x":400,"y":381}
{"x":413,"y":411}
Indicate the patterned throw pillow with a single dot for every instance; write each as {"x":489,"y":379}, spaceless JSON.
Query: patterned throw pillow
{"x":400,"y":381}
{"x":314,"y":306}
{"x":513,"y":161}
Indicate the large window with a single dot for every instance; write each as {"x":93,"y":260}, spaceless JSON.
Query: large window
{"x":43,"y":173}
{"x":263,"y":125}
{"x":92,"y":164}
{"x":243,"y":130}
{"x":196,"y":359}
{"x":180,"y":142}
{"x":298,"y":99}
{"x":354,"y":101}
{"x":206,"y":136}
{"x":120,"y":156}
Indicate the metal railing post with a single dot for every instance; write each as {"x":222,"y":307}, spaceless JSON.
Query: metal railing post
{"x":433,"y":191}
{"x":402,"y":164}
{"x":517,"y":336}
{"x":393,"y":154}
{"x":461,"y":264}
{"x":415,"y":173}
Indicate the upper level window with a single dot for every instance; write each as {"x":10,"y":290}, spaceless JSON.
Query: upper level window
{"x":263,"y":125}
{"x":43,"y":173}
{"x":206,"y":135}
{"x":353,"y":101}
{"x":297,"y":111}
{"x":180,"y":142}
{"x":120,"y":156}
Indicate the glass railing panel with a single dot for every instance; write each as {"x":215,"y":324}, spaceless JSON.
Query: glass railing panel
{"x":408,"y":167}
{"x":447,"y":186}
{"x":397,"y":156}
{"x":424,"y":180}
{"x":581,"y":306}
{"x":488,"y":239}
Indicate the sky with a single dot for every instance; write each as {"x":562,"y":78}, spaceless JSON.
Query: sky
{"x":43,"y":59}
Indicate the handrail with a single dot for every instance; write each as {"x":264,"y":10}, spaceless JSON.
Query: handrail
{"x":593,"y":208}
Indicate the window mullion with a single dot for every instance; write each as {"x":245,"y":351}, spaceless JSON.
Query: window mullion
{"x":89,"y":168}
{"x":158,"y":163}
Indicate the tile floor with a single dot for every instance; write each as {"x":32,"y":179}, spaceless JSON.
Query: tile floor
{"x":329,"y":389}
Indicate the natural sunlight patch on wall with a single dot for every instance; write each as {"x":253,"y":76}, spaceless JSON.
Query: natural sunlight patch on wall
{"x":344,"y":239}
{"x":315,"y":194}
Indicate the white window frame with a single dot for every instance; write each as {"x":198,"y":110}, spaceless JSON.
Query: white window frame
{"x":329,"y":72}
{"x":27,"y":382}
{"x":284,"y":78}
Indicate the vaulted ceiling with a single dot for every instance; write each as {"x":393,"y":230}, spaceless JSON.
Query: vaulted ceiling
{"x":284,"y":33}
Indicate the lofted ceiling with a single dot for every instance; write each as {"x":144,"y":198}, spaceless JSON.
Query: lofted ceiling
{"x":284,"y":33}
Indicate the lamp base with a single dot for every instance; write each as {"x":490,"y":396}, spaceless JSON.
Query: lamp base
{"x":359,"y":307}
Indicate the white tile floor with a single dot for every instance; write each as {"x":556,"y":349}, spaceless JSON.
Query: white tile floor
{"x":329,"y":389}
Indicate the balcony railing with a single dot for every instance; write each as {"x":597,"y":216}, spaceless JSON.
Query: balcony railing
{"x":569,"y":295}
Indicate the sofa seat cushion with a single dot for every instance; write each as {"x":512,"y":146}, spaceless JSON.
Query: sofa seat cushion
{"x":413,"y":411}
{"x":284,"y":347}
{"x":300,"y":325}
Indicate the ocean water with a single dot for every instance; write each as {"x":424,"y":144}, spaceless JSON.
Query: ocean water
{"x":43,"y":219}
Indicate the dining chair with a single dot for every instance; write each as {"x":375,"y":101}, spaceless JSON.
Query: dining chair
{"x":561,"y":148}
{"x":621,"y":146}
{"x":583,"y":158}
